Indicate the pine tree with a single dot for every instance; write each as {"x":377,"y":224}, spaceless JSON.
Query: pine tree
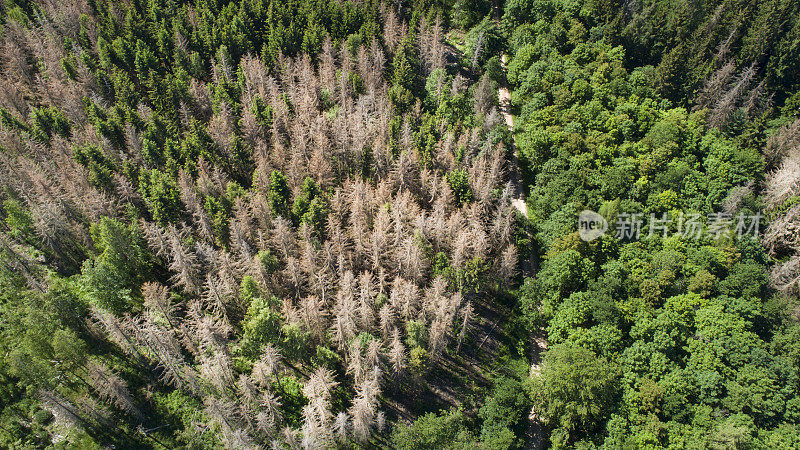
{"x":270,"y":418}
{"x":364,"y":410}
{"x":157,"y":298}
{"x":320,"y":384}
{"x":397,"y":354}
{"x":113,"y":388}
{"x":183,"y":262}
{"x":341,"y":427}
{"x":466,"y":318}
{"x":268,"y":365}
{"x":508,"y":265}
{"x":278,"y":194}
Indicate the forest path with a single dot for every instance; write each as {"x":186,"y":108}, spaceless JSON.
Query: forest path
{"x":504,"y":99}
{"x":535,"y":431}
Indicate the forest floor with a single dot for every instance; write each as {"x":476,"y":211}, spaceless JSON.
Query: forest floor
{"x":460,"y":379}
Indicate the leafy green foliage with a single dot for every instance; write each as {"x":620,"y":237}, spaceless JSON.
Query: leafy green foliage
{"x":504,"y":413}
{"x":407,"y":84}
{"x":100,"y":168}
{"x":261,"y":325}
{"x":577,"y":388}
{"x":603,"y":96}
{"x":18,"y":220}
{"x":433,"y":431}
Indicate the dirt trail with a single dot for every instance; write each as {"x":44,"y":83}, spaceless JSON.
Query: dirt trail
{"x":504,"y":99}
{"x":538,"y":344}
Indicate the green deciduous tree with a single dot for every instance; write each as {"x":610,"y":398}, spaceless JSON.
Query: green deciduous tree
{"x":576,"y":390}
{"x":503,"y":413}
{"x":432,"y":431}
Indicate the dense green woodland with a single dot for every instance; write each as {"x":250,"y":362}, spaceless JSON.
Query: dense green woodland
{"x":289,"y":224}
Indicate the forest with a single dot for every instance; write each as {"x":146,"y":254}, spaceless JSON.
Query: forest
{"x":341,"y":224}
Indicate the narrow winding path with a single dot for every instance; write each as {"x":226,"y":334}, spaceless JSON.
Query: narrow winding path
{"x":504,"y":99}
{"x":538,"y":344}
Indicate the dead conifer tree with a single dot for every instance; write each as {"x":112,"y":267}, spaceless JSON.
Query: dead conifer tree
{"x":365,"y":408}
{"x":725,"y":105}
{"x":317,"y":426}
{"x":341,"y":427}
{"x":714,"y":86}
{"x":345,"y":312}
{"x":320,"y":384}
{"x":782,"y":183}
{"x":268,"y":365}
{"x":183,"y":263}
{"x":782,"y":142}
{"x":269,"y":419}
{"x":466,"y":318}
{"x":397,"y":354}
{"x":157,"y":298}
{"x":114,"y":389}
{"x":66,"y":415}
{"x":224,"y":413}
{"x":507,"y":266}
{"x":387,"y":320}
